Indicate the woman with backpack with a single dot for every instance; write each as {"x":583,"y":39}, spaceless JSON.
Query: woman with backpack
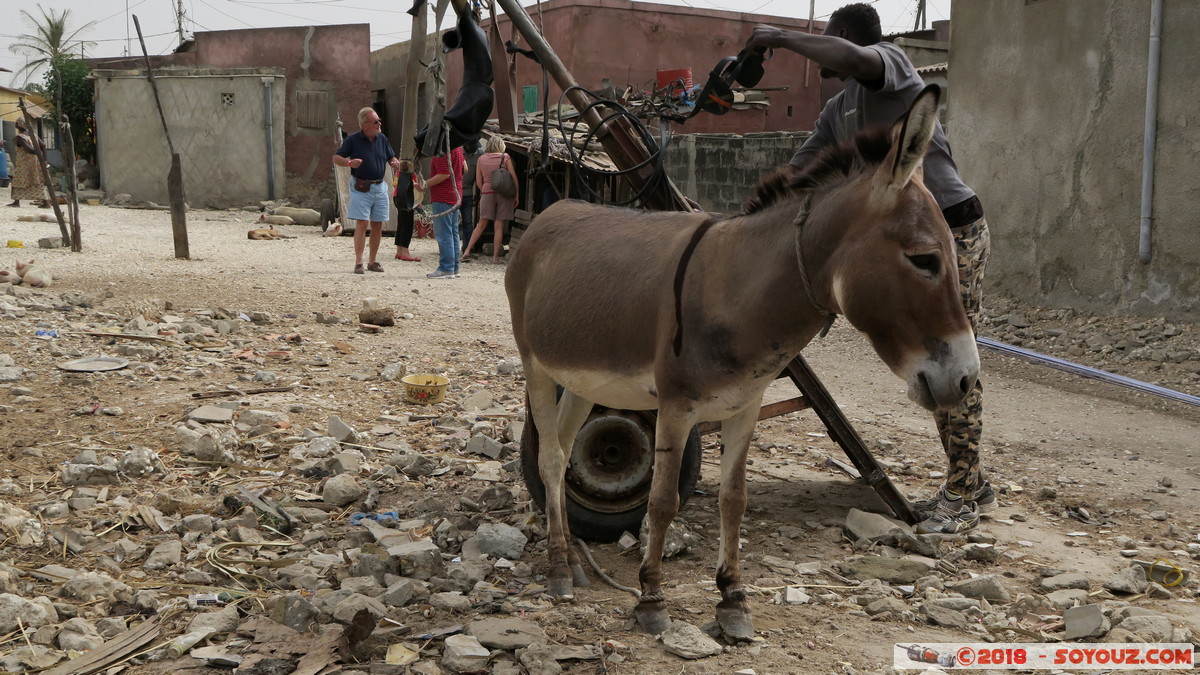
{"x":496,"y":180}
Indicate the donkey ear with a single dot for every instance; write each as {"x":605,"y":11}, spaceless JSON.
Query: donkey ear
{"x":911,"y":136}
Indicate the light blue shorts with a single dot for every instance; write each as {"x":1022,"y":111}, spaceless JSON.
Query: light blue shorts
{"x":371,"y":206}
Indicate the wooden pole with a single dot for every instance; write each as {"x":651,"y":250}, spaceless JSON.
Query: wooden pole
{"x":52,"y":194}
{"x":72,"y":182}
{"x":175,"y":176}
{"x":412,"y":81}
{"x":614,"y":133}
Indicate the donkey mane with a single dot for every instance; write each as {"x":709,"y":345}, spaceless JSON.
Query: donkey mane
{"x":833,"y":164}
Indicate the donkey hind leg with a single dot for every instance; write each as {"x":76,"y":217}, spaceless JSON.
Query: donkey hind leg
{"x":573,"y":411}
{"x":733,"y":612}
{"x":671,"y":434}
{"x":552,"y":467}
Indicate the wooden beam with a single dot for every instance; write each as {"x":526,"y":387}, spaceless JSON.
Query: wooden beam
{"x":175,"y":175}
{"x":622,"y":146}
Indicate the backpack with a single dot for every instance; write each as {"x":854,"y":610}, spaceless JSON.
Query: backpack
{"x":502,"y":180}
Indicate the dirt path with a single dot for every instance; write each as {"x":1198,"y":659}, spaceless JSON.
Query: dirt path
{"x":1119,"y":455}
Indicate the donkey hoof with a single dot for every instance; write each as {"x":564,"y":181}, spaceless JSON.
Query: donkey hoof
{"x":578,"y":576}
{"x":652,"y":617}
{"x":736,"y":624}
{"x":561,"y":589}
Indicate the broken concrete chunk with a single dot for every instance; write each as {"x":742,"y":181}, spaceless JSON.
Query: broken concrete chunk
{"x":420,"y":559}
{"x":484,"y":445}
{"x":1063,"y":581}
{"x":506,"y":634}
{"x":464,"y":654}
{"x":14,"y":608}
{"x":211,"y":413}
{"x":500,"y":540}
{"x":342,"y":432}
{"x":342,"y":490}
{"x":1085,"y":621}
{"x":1129,"y":580}
{"x":891,"y":570}
{"x":164,"y":555}
{"x":256,"y":417}
{"x":986,"y":586}
{"x":687,"y":641}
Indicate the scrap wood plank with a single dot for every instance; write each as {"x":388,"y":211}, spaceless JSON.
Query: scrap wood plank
{"x":113,"y":651}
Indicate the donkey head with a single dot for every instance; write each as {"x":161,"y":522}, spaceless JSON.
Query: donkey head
{"x":892,"y":269}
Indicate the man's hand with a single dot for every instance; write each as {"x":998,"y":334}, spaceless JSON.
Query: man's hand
{"x":767,"y":37}
{"x":354,"y":163}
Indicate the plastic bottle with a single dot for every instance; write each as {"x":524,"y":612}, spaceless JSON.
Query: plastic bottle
{"x":184,"y":643}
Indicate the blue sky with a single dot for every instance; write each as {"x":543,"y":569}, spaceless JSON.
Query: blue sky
{"x":113,"y":33}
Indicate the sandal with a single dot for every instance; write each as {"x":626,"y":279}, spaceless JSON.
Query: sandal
{"x":375,"y":267}
{"x":407,"y":258}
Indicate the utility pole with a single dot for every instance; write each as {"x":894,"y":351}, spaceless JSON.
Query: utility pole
{"x":920,"y":23}
{"x":179,"y":19}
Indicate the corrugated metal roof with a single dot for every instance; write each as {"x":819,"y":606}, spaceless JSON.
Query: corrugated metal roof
{"x":934,"y":68}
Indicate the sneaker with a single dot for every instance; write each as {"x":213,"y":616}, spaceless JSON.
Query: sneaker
{"x":438,"y":274}
{"x":950,"y":516}
{"x":985,"y":500}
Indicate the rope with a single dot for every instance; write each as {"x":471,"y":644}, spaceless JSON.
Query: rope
{"x":607,"y":579}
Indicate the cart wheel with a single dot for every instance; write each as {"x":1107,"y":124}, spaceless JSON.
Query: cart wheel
{"x":609,"y":472}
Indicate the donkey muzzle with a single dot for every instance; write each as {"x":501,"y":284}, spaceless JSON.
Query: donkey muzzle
{"x":943,"y":379}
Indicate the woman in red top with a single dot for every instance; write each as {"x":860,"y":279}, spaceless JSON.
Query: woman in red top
{"x":493,"y":207}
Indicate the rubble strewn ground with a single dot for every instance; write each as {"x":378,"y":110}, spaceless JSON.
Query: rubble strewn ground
{"x":254,"y":479}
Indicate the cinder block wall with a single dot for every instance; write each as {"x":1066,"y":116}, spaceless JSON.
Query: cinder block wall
{"x":719,"y":170}
{"x":217,"y":124}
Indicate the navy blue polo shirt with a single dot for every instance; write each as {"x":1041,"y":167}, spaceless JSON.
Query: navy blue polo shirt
{"x":374,"y":154}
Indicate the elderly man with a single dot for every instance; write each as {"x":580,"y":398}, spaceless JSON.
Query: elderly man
{"x":366,"y":152}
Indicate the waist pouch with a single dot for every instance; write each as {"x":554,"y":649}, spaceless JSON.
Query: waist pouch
{"x":364,"y":185}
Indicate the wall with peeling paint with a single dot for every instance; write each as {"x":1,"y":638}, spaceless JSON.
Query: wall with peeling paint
{"x":1047,"y":126}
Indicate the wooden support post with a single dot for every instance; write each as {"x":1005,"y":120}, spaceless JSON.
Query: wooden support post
{"x":622,"y":146}
{"x":505,"y":71}
{"x":412,"y":81}
{"x":843,"y":432}
{"x":72,"y":182}
{"x":175,"y":176}
{"x":40,"y":151}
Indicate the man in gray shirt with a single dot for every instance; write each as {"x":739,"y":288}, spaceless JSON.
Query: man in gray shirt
{"x":880,"y":85}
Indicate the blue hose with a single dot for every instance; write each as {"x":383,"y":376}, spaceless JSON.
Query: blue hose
{"x":1085,"y":371}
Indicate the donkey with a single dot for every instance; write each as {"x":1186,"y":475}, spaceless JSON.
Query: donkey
{"x":696,"y":315}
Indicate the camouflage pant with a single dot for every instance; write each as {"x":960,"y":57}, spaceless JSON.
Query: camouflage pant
{"x":961,"y":428}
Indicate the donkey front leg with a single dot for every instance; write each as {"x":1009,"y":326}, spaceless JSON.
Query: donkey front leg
{"x":733,"y":612}
{"x":670,"y":436}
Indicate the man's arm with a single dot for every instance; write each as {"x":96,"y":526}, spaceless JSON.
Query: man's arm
{"x":834,"y":53}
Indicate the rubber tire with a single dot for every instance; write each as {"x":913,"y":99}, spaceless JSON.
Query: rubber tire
{"x":598,"y":526}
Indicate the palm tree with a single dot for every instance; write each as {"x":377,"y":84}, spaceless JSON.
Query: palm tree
{"x":51,"y":37}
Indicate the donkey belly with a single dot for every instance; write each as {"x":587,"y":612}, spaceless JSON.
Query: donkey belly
{"x":631,"y":391}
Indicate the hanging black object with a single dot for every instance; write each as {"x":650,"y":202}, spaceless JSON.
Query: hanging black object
{"x":717,"y":95}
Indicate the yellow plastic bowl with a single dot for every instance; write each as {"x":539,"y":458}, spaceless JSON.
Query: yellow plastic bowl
{"x":424,"y":388}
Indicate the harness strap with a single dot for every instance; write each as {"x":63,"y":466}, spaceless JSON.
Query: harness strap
{"x":800,"y":219}
{"x":680,"y":274}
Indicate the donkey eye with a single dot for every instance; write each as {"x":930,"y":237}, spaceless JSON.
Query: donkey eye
{"x":926,"y":262}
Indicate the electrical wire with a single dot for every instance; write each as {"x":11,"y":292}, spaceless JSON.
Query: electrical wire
{"x":657,"y":153}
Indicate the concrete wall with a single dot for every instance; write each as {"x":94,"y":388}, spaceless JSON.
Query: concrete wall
{"x":719,"y":170}
{"x":629,"y":42}
{"x":221,"y":143}
{"x":1047,"y":126}
{"x":327,"y":75}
